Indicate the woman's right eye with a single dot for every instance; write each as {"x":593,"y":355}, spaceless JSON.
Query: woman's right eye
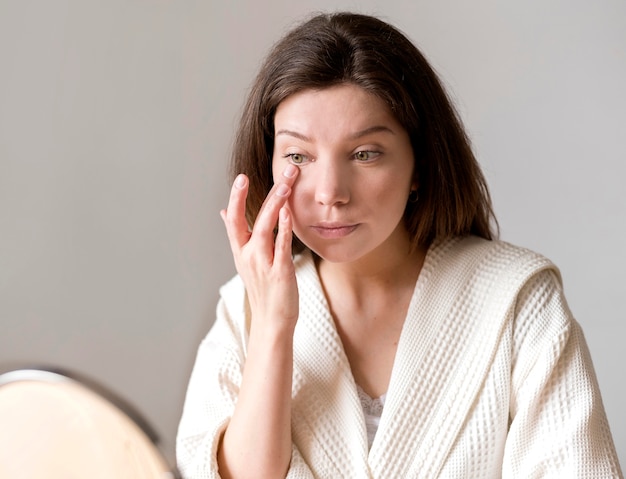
{"x":297,"y":158}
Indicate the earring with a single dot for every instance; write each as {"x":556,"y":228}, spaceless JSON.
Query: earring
{"x":413,"y":196}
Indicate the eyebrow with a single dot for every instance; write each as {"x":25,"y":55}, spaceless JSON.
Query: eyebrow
{"x":354,"y":136}
{"x":370,"y":130}
{"x":295,"y":134}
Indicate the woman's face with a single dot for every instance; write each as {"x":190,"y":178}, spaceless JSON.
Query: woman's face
{"x":356,"y":168}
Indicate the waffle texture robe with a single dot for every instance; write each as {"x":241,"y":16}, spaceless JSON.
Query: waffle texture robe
{"x":492,"y":378}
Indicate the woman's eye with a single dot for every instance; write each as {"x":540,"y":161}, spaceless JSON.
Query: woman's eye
{"x":296,"y":158}
{"x":365,"y":155}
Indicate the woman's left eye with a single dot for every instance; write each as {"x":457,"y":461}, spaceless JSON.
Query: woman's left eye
{"x":365,"y":155}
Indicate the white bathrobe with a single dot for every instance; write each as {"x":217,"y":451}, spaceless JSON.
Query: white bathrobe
{"x":492,"y":378}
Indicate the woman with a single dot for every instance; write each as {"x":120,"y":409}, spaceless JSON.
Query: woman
{"x":376,"y":328}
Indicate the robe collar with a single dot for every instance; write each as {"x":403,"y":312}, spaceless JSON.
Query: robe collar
{"x":453,"y":326}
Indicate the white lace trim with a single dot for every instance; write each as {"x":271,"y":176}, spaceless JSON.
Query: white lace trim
{"x":372,"y":411}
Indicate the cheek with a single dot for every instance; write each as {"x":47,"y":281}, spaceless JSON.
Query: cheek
{"x":274,"y":170}
{"x":299,"y":202}
{"x":295,"y":200}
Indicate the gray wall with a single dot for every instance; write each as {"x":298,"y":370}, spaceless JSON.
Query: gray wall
{"x":115,"y":124}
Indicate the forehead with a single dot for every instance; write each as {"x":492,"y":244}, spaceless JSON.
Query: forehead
{"x":337,"y":109}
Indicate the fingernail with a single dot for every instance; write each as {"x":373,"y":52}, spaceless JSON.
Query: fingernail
{"x":290,"y":171}
{"x":240,"y":182}
{"x":282,"y":190}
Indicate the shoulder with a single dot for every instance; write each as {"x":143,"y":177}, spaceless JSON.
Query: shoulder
{"x":496,"y":251}
{"x":233,"y":290}
{"x":485,"y":272}
{"x":525,"y":286}
{"x":488,"y":258}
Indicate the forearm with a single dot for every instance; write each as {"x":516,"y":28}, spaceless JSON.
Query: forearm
{"x":257,"y":441}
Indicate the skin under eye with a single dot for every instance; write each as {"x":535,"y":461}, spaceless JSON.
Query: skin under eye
{"x":365,"y":155}
{"x":297,"y":158}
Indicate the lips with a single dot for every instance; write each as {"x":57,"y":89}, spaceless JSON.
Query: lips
{"x":334,"y":230}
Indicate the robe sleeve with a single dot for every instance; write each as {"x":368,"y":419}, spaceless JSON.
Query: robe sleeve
{"x":211,"y":398}
{"x":558,"y":427}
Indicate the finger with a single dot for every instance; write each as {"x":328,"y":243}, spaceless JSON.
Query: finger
{"x":235,"y":215}
{"x":276,"y":198}
{"x":282,"y":253}
{"x":288,"y":177}
{"x":263,"y":230}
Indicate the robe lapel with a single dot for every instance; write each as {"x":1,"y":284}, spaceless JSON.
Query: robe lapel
{"x":327,"y":420}
{"x":464,"y":293}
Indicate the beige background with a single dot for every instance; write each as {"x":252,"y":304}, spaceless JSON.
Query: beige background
{"x":115,"y":124}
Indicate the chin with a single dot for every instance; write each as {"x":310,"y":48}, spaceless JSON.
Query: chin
{"x":335,"y":253}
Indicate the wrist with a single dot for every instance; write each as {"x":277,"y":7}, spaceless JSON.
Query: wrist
{"x":273,"y":336}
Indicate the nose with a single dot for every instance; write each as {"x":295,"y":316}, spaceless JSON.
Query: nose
{"x":331,"y":182}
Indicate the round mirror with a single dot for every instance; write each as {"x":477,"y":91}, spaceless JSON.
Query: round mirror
{"x":54,"y":426}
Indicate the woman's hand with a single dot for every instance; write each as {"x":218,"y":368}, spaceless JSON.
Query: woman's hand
{"x":257,"y":440}
{"x":265,"y":264}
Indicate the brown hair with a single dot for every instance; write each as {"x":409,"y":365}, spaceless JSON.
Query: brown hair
{"x":330,"y":49}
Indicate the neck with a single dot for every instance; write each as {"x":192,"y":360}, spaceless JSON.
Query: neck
{"x":380,"y":272}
